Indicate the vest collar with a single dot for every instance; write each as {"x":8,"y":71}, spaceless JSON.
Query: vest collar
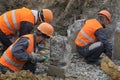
{"x":35,"y":13}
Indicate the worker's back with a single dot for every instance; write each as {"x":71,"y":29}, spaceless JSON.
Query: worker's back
{"x":10,"y":21}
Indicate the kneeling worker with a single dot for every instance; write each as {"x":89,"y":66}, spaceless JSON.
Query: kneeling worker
{"x":23,"y":49}
{"x":91,"y":41}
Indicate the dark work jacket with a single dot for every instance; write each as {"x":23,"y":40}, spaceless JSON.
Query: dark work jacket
{"x":19,"y":49}
{"x":101,"y":36}
{"x":26,"y":28}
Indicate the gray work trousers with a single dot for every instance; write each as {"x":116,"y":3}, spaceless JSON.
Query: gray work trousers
{"x":91,"y":52}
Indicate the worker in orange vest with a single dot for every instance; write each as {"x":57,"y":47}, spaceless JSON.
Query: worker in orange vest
{"x":91,"y":40}
{"x":21,"y":21}
{"x":23,"y":50}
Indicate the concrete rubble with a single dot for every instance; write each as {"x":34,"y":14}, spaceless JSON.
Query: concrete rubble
{"x":63,"y":66}
{"x":61,"y":49}
{"x":61,"y":56}
{"x":117,"y":41}
{"x":77,"y":69}
{"x":72,"y":32}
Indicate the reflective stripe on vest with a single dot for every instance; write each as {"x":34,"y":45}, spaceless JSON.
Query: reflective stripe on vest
{"x":81,"y":41}
{"x":12,"y":62}
{"x":87,"y":33}
{"x":14,"y":21}
{"x":86,"y":36}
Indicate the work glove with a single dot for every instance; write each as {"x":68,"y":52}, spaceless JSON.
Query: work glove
{"x":109,"y":55}
{"x":44,"y":52}
{"x":37,"y":58}
{"x":42,"y":58}
{"x":47,"y":58}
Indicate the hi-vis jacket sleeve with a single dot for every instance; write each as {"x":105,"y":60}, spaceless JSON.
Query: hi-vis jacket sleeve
{"x":25,"y":28}
{"x":19,"y":49}
{"x":101,"y":35}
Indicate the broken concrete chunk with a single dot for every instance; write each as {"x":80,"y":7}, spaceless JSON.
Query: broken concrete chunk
{"x":72,"y":32}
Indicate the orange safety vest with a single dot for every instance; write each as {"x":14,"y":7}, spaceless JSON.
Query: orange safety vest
{"x":10,"y":61}
{"x":87,"y":34}
{"x":10,"y":21}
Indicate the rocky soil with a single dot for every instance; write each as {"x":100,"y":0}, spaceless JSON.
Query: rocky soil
{"x":65,"y":14}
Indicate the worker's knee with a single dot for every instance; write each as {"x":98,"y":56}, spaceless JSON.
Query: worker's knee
{"x":96,"y":45}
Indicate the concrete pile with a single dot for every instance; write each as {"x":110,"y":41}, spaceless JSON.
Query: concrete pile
{"x":79,"y":70}
{"x":72,"y":32}
{"x":117,"y":41}
{"x":60,"y":53}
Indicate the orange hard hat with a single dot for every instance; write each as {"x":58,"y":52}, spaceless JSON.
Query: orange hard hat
{"x":106,"y":13}
{"x":48,"y":15}
{"x":46,"y":29}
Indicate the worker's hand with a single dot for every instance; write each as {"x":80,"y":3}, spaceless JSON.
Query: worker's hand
{"x":34,"y":57}
{"x":109,"y":55}
{"x":42,"y":58}
{"x":38,"y":58}
{"x":44,"y":52}
{"x":47,"y":58}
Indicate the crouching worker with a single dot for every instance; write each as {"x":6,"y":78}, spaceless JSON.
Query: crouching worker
{"x":91,"y":40}
{"x":23,"y":49}
{"x":21,"y":21}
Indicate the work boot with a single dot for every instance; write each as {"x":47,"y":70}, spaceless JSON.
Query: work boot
{"x":97,"y":62}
